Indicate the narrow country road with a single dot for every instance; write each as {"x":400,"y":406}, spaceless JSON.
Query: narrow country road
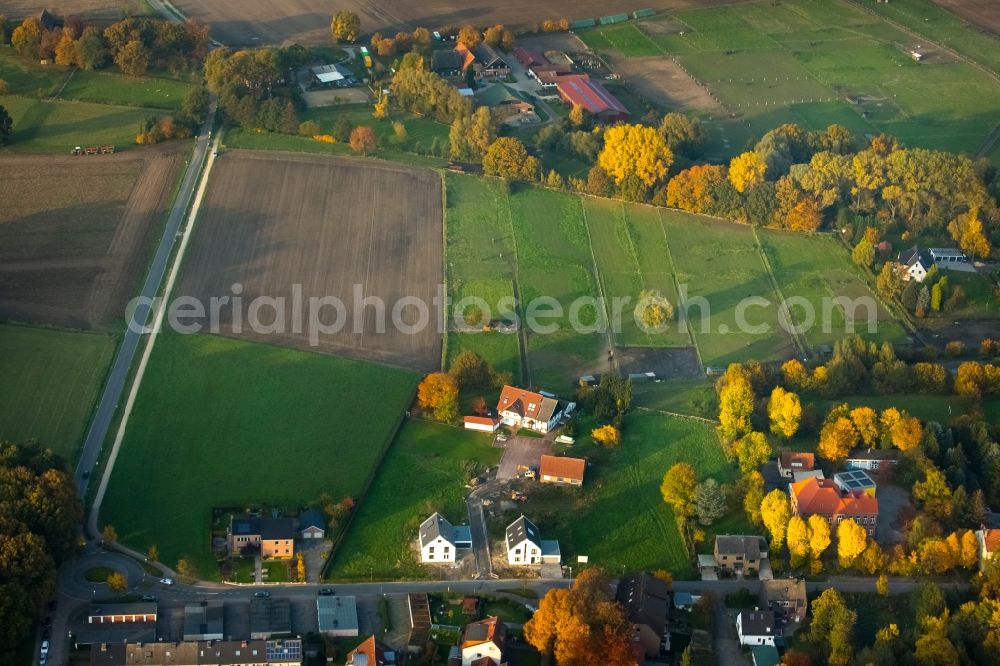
{"x":117,"y":377}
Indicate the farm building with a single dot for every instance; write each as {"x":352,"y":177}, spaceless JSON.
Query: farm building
{"x":506,"y":105}
{"x":203,"y":621}
{"x":312,"y":524}
{"x":481,"y":423}
{"x":485,"y":61}
{"x":447,"y":62}
{"x":593,"y":97}
{"x":337,"y":616}
{"x":822,"y":497}
{"x":439,"y":540}
{"x":562,"y":470}
{"x":872,"y":459}
{"x":527,"y":409}
{"x":911,"y":265}
{"x":332,"y":75}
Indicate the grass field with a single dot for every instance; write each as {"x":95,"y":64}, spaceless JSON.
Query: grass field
{"x":56,"y":127}
{"x":422,"y":473}
{"x":51,"y":379}
{"x":820,"y":61}
{"x":221,"y":422}
{"x":719,"y":262}
{"x":113,"y":88}
{"x":620,"y":518}
{"x":815,"y":270}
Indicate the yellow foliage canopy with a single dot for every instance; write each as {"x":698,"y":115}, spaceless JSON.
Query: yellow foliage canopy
{"x":635,"y":150}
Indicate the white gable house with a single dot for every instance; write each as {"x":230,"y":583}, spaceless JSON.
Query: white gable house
{"x":524,"y":545}
{"x":911,"y":265}
{"x":439,"y":540}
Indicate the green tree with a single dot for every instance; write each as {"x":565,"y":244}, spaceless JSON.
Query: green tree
{"x":832,"y":627}
{"x":6,"y":125}
{"x":471,"y":370}
{"x":752,"y":450}
{"x":90,"y":51}
{"x":863,"y":253}
{"x":682,"y":133}
{"x":709,"y":502}
{"x":508,"y":158}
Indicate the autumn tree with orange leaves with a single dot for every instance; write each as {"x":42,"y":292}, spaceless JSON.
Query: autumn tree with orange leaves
{"x":438,"y":392}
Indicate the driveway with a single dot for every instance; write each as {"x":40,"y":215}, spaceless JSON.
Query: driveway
{"x":891,"y":500}
{"x":526,"y":451}
{"x":725,"y":642}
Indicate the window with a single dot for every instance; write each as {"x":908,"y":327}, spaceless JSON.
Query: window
{"x":431,"y":550}
{"x":431,"y":556}
{"x":446,"y":550}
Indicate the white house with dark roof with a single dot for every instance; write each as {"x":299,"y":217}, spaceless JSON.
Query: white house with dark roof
{"x":755,"y":627}
{"x":439,"y":540}
{"x":524,"y":545}
{"x":911,"y":265}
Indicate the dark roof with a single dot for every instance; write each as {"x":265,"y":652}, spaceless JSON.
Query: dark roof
{"x":522,"y":529}
{"x":784,"y":589}
{"x":446,"y":60}
{"x":746,"y":545}
{"x":135,"y":608}
{"x":312,"y":518}
{"x":434,"y":527}
{"x":487,"y":55}
{"x":277,"y":528}
{"x":245,"y":526}
{"x":646,"y":599}
{"x":118,"y":632}
{"x":202,"y":620}
{"x":909,"y":257}
{"x":195,"y":653}
{"x":757,"y":623}
{"x":270,"y":617}
{"x":49,"y":20}
{"x":873,"y":454}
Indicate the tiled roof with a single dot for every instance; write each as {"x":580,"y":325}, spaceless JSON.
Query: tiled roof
{"x":484,"y":631}
{"x":992,"y":540}
{"x":823,"y":498}
{"x":526,"y":403}
{"x":803,"y":461}
{"x":563,"y":467}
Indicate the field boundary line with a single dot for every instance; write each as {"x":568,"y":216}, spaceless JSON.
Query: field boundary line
{"x":446,"y":314}
{"x":793,"y":333}
{"x":515,"y":283}
{"x":678,"y":415}
{"x":600,"y":284}
{"x":681,"y":304}
{"x":148,"y":350}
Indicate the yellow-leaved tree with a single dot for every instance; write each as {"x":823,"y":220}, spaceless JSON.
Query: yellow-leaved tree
{"x":776,"y":512}
{"x":635,"y":150}
{"x":852,"y":539}
{"x":746,"y":170}
{"x":607,"y":436}
{"x":865,"y":421}
{"x":836,"y":439}
{"x":785,"y":411}
{"x":798,"y":541}
{"x":819,"y":541}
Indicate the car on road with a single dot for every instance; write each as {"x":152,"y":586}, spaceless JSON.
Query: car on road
{"x":261,"y":594}
{"x":166,"y":581}
{"x":45,"y":648}
{"x":42,"y":660}
{"x":325,"y":591}
{"x":148,"y":597}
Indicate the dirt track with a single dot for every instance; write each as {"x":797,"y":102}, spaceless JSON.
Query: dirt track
{"x":663,"y":82}
{"x":76,"y":233}
{"x":274,"y":221}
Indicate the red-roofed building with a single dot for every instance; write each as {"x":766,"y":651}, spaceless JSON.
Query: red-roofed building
{"x":812,"y":497}
{"x":593,"y":97}
{"x":529,"y":57}
{"x":795,"y":461}
{"x":371,"y":653}
{"x":483,"y":640}
{"x":989,"y":544}
{"x":562,"y":470}
{"x":483,"y":423}
{"x":527,"y":409}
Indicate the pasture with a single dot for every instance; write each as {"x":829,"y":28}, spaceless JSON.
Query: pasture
{"x":43,"y":126}
{"x":814,"y":270}
{"x":281,"y":225}
{"x":619,"y":518}
{"x":818,"y":61}
{"x":112,"y":88}
{"x":76,"y":233}
{"x":221,"y":422}
{"x":423,"y":472}
{"x":51,"y":382}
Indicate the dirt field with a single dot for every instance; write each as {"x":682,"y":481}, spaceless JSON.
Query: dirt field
{"x":271,"y":222}
{"x":308,"y":21}
{"x":76,"y":233}
{"x":663,"y":82}
{"x":95,"y":9}
{"x":982,"y":13}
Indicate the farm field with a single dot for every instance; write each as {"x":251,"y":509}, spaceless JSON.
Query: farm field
{"x":42,"y":126}
{"x":816,"y":61}
{"x":260,"y":424}
{"x":76,"y":233}
{"x":719,"y":262}
{"x":620,"y":518}
{"x":422,"y":473}
{"x":817,"y":269}
{"x":323,"y":228}
{"x":51,"y":382}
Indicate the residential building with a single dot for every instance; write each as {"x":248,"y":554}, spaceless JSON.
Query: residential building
{"x":646,"y":599}
{"x":872,"y":460}
{"x":203,"y":621}
{"x":270,"y":617}
{"x":201,"y":653}
{"x":447,"y":62}
{"x":787,"y":598}
{"x":524,"y":545}
{"x":822,"y":497}
{"x":440,"y":540}
{"x":989,"y":543}
{"x":911,"y":265}
{"x":273,"y":537}
{"x":337,"y":616}
{"x":371,"y":653}
{"x":592,"y":97}
{"x":527,"y":409}
{"x":790,"y":462}
{"x":562,"y":470}
{"x":854,"y":481}
{"x":312,"y":524}
{"x":488,"y":62}
{"x":483,"y":641}
{"x":755,"y":627}
{"x":482,"y":423}
{"x":740,"y":553}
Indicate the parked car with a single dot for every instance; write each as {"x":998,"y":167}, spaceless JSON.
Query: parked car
{"x":261,"y":594}
{"x":148,"y":597}
{"x":45,"y":648}
{"x":166,"y":581}
{"x":326,"y":592}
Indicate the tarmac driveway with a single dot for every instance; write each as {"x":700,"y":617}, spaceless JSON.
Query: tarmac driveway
{"x":525,"y":451}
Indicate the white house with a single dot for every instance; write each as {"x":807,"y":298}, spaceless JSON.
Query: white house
{"x":911,"y":265}
{"x":483,"y":642}
{"x":439,"y":540}
{"x":524,"y":545}
{"x":481,"y":423}
{"x":527,"y":409}
{"x":872,"y":460}
{"x":755,"y":627}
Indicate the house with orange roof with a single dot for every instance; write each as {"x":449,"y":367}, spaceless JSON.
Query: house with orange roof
{"x":527,"y":409}
{"x":989,"y":543}
{"x":562,"y":470}
{"x":812,"y":497}
{"x":371,"y":653}
{"x":483,"y":642}
{"x":790,"y":462}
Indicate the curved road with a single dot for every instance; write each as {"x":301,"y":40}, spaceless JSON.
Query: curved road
{"x":115,"y":384}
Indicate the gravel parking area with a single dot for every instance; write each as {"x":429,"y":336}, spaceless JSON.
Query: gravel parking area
{"x":525,"y":451}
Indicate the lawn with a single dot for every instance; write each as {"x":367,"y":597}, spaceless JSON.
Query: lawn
{"x":220,"y":422}
{"x":422,"y":473}
{"x":113,"y":88}
{"x":500,"y":349}
{"x":51,"y":381}
{"x":275,"y":571}
{"x":934,"y":407}
{"x":695,"y":398}
{"x":619,"y":518}
{"x":56,"y":127}
{"x":811,"y":271}
{"x":732,"y":307}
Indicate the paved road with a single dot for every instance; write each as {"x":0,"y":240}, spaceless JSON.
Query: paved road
{"x":115,"y":384}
